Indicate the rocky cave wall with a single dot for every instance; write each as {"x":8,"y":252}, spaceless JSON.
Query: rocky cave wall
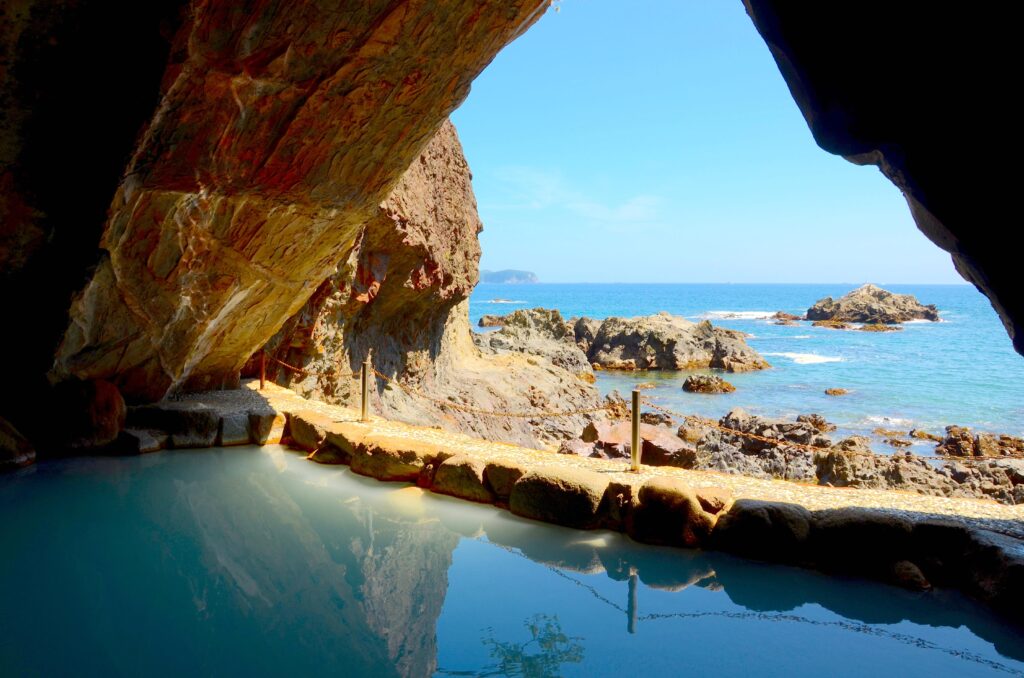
{"x":247,"y":147}
{"x":401,"y":294}
{"x":278,"y":128}
{"x":922,"y":91}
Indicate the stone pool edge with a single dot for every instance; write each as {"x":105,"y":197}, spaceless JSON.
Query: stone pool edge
{"x":915,"y":551}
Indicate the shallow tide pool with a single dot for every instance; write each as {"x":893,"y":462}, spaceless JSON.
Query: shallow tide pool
{"x":256,"y":561}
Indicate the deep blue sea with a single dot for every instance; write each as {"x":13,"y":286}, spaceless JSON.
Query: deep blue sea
{"x":962,"y":370}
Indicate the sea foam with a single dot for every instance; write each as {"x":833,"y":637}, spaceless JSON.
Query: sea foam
{"x":807,"y":358}
{"x":739,"y":315}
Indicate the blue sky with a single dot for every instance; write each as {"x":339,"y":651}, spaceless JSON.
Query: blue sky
{"x":656,"y":141}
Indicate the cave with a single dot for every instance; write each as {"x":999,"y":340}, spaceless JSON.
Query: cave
{"x":222,"y":150}
{"x":188,"y":185}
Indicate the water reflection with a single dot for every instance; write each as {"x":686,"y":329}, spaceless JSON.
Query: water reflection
{"x":257,"y":561}
{"x":541,"y":656}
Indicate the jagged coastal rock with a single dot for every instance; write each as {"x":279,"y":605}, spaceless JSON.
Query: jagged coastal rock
{"x":401,"y":294}
{"x":487,"y":320}
{"x":960,"y":441}
{"x":706,"y":383}
{"x":667,"y":342}
{"x":871,"y":305}
{"x":540,"y":332}
{"x":847,"y":463}
{"x":654,"y":342}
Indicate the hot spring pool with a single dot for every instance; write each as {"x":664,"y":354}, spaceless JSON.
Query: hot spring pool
{"x":254,"y":561}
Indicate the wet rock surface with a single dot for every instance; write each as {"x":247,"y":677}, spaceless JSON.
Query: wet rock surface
{"x":872,"y":305}
{"x":704,"y":383}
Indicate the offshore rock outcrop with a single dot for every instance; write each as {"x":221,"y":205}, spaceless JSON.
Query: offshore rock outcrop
{"x":402,"y":294}
{"x":655,"y":342}
{"x":872,"y":305}
{"x":667,"y":342}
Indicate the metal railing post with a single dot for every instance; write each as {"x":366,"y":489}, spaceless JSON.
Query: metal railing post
{"x":263,"y":369}
{"x":634,"y":449}
{"x":365,"y":410}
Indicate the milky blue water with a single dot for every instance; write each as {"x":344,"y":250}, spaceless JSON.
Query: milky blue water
{"x":962,"y":370}
{"x":253,"y":561}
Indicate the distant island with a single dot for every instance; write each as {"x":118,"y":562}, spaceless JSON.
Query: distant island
{"x":507,"y":276}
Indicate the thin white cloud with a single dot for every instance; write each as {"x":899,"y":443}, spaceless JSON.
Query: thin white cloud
{"x":519,"y":188}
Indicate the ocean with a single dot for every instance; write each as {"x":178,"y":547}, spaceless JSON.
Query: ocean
{"x":962,"y":370}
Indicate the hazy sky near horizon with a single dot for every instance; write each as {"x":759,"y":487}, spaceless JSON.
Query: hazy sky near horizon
{"x":656,"y":141}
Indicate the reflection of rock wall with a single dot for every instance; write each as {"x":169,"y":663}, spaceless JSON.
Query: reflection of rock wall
{"x":358,"y":588}
{"x":401,"y":292}
{"x":405,"y":570}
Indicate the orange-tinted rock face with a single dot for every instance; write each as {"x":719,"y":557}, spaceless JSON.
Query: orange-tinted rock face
{"x":400,"y":293}
{"x":280,"y":129}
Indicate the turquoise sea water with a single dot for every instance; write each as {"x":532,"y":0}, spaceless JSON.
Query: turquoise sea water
{"x":253,"y":561}
{"x":962,"y":370}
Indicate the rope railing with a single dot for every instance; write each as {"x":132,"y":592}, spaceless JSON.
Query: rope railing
{"x":615,"y":410}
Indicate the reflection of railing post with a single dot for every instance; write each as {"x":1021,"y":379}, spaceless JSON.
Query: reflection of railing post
{"x":365,"y":410}
{"x":631,"y":604}
{"x":263,"y":369}
{"x":635,"y":442}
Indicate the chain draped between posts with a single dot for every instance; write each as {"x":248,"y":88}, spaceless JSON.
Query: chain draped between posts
{"x":536,"y":414}
{"x":614,"y":410}
{"x":782,"y":442}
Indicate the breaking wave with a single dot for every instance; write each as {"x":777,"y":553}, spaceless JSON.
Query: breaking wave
{"x":807,"y":358}
{"x":739,"y":315}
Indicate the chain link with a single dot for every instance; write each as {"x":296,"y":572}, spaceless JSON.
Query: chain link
{"x":613,"y":410}
{"x":539,"y":414}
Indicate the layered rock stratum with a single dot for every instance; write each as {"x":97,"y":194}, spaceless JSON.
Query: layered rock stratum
{"x":872,"y":305}
{"x":269,"y":135}
{"x":401,"y":296}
